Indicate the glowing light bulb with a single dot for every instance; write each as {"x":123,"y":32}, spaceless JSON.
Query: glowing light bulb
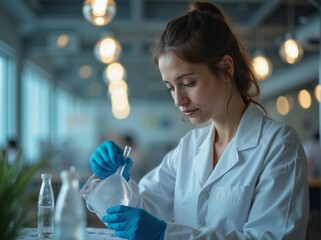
{"x":85,"y":71}
{"x":99,"y":12}
{"x":115,"y":85}
{"x":120,"y":103}
{"x":121,"y":114}
{"x":291,"y":51}
{"x":262,"y":67}
{"x":62,"y":41}
{"x":114,"y":72}
{"x":99,"y":7}
{"x":304,"y":98}
{"x":107,"y":50}
{"x":283,"y":105}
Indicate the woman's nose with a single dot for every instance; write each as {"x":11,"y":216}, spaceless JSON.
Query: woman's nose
{"x":179,"y":98}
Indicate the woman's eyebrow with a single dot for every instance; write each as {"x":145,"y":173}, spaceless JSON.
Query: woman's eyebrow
{"x":180,"y":77}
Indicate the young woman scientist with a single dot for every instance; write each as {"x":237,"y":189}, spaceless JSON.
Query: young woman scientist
{"x":241,"y":177}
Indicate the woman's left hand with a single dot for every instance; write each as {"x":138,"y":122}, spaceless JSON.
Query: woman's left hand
{"x":134,"y":223}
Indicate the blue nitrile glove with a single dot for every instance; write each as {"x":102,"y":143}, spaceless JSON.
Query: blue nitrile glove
{"x":134,"y":223}
{"x":107,"y":158}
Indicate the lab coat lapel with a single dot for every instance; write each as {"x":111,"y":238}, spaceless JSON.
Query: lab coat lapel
{"x":228,"y":159}
{"x":203,"y":157}
{"x":245,"y":138}
{"x":250,"y":128}
{"x":203,"y":160}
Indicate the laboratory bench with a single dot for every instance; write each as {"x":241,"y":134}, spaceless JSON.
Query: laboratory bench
{"x":91,"y":234}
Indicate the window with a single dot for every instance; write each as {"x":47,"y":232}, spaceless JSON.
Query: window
{"x":74,"y":126}
{"x":8,"y":89}
{"x":2,"y":107}
{"x":68,"y":108}
{"x":64,"y":106}
{"x":36,"y":94}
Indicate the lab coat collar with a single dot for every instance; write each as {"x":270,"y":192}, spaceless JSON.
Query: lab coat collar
{"x":249,"y":129}
{"x":247,"y":136}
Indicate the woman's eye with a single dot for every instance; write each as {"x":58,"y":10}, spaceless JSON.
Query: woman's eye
{"x":169,"y":89}
{"x":191,"y":84}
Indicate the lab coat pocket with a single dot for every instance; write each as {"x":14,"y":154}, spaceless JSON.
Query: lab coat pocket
{"x":231,"y":204}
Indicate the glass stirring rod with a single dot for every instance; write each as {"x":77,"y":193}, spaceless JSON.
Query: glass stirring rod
{"x":125,"y":155}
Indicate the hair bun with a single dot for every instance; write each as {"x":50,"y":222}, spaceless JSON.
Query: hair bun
{"x":208,"y":8}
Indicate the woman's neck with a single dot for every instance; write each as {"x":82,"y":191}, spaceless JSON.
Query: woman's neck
{"x":226,"y":126}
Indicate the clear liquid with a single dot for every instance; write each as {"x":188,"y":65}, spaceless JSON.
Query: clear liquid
{"x":45,"y":221}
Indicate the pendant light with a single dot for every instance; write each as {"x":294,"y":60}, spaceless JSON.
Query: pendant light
{"x":262,"y":66}
{"x":290,"y":50}
{"x":282,"y":105}
{"x":114,"y":71}
{"x":99,"y":12}
{"x":304,"y":99}
{"x":107,"y":49}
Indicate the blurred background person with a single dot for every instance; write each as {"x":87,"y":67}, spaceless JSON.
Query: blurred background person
{"x":11,"y":151}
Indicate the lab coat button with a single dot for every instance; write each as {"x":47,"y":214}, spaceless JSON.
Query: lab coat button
{"x":205,"y":195}
{"x":200,"y":221}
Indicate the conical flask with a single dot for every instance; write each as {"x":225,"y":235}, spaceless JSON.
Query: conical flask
{"x":114,"y":190}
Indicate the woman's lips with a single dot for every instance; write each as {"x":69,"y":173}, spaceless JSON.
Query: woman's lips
{"x":190,"y":112}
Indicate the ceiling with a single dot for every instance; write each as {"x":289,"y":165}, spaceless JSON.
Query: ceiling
{"x":259,"y":24}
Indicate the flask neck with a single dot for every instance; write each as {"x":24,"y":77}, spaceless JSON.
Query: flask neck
{"x":70,"y":180}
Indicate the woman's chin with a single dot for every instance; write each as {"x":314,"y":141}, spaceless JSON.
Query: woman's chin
{"x":200,"y":122}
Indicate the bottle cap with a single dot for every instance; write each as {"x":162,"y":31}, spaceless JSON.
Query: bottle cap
{"x":46,"y":175}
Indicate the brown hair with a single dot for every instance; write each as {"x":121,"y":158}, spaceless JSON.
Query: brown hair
{"x":202,"y":36}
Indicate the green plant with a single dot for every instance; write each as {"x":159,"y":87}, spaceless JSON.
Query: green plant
{"x":16,"y":196}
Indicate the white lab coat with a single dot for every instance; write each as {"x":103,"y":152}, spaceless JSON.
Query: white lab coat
{"x":258,"y":189}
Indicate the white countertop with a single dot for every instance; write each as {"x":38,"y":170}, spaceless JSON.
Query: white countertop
{"x":91,"y":234}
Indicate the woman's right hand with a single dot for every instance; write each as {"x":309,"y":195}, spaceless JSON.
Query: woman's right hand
{"x":107,"y":158}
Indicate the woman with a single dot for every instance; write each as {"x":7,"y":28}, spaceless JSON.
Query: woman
{"x":241,"y":177}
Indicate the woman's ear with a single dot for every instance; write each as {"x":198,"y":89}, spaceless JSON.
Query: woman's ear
{"x":228,"y":66}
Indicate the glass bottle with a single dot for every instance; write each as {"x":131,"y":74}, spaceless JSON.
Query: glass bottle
{"x":46,"y":207}
{"x":70,"y":219}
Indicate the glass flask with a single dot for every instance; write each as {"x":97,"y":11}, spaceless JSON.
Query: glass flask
{"x":102,"y":194}
{"x":70,"y":216}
